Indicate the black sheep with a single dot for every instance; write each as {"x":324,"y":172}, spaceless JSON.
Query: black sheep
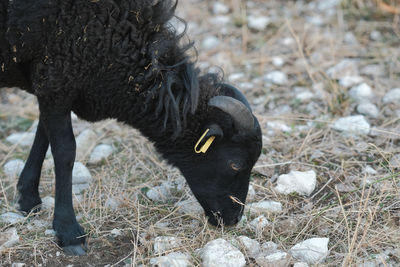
{"x":121,"y":59}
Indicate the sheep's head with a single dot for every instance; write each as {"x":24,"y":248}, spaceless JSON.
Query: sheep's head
{"x":226,"y":151}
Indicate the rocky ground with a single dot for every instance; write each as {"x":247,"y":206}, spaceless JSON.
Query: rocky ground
{"x":323,"y":79}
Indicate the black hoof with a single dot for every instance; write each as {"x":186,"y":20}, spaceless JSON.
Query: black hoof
{"x":75,"y":250}
{"x":29,"y":204}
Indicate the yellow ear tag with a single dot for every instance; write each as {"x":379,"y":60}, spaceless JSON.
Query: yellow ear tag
{"x":205,"y":147}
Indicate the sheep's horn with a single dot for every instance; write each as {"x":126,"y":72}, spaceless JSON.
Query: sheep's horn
{"x":241,"y":115}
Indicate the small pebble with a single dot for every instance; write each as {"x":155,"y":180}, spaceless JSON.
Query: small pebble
{"x":276,"y":77}
{"x":259,"y":223}
{"x":210,"y":42}
{"x":393,"y":96}
{"x":258,"y":23}
{"x":368,"y":109}
{"x":220,"y":8}
{"x":361,"y":93}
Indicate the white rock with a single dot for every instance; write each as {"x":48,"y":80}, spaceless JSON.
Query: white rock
{"x":265,"y":206}
{"x":269,"y":247}
{"x":48,"y":202}
{"x":236,"y":76}
{"x":393,"y":96}
{"x":36,"y":223}
{"x":276,"y":259}
{"x":352,"y":125}
{"x":159,"y":193}
{"x":8,"y":238}
{"x":287,"y":41}
{"x":116,"y":232}
{"x":350,"y":39}
{"x":189,"y":206}
{"x":304,"y":96}
{"x":395,"y":161}
{"x":368,"y":109}
{"x":348,"y":81}
{"x":50,"y":232}
{"x":100,"y":153}
{"x":373,"y":70}
{"x":312,"y":251}
{"x":278,"y":61}
{"x":326,"y":5}
{"x":18,"y":264}
{"x":174,"y":259}
{"x":210,"y":42}
{"x":80,"y":174}
{"x":258,"y":23}
{"x":317,"y":20}
{"x":251,"y":193}
{"x":220,"y":8}
{"x":369,"y":170}
{"x":220,"y":253}
{"x":278,"y":126}
{"x":13,"y":168}
{"x":300,"y":264}
{"x":276,"y":77}
{"x":346,"y":67}
{"x":165,"y":243}
{"x":85,"y":141}
{"x":220,"y":20}
{"x":251,"y":246}
{"x":79,"y":188}
{"x":21,"y":138}
{"x":112,"y":203}
{"x":165,"y":191}
{"x":301,"y":182}
{"x":361,"y":92}
{"x":259,"y":223}
{"x":11,"y":217}
{"x":375,"y":36}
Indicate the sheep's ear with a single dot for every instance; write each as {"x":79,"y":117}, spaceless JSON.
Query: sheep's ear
{"x":211,"y":134}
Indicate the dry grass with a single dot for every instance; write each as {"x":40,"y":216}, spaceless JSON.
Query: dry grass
{"x":359,"y":212}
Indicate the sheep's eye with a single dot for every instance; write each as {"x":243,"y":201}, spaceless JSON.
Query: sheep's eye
{"x":235,"y":166}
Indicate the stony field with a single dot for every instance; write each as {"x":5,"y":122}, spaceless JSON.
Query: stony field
{"x":323,"y":77}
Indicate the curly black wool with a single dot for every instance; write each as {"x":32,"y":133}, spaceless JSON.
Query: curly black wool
{"x":102,"y":59}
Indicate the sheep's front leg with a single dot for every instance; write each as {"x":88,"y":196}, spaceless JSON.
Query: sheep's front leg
{"x":59,"y":131}
{"x":28,"y":183}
